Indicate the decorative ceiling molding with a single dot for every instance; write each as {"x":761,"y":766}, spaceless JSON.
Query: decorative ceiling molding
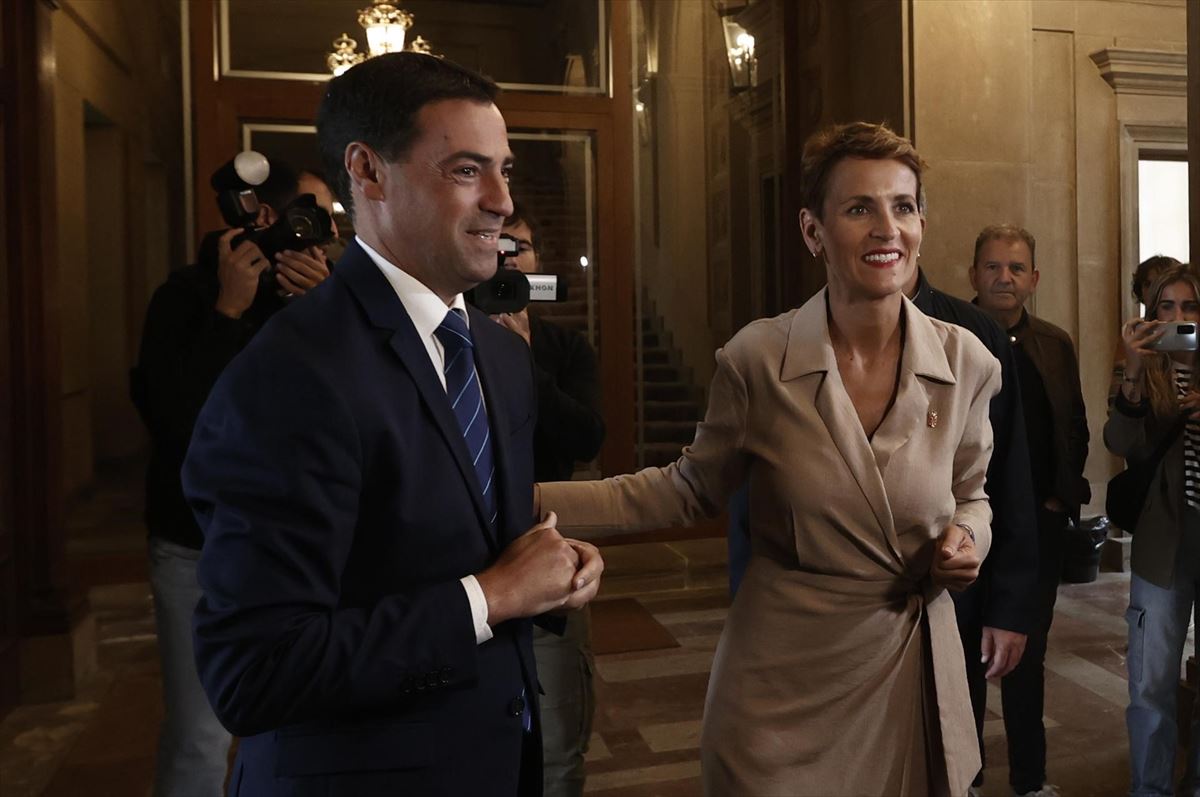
{"x":1154,"y":72}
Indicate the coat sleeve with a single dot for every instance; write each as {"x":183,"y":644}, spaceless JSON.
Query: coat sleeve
{"x":971,"y":460}
{"x":274,"y":475}
{"x":1126,"y":432}
{"x":1079,"y":492}
{"x":1013,"y":559}
{"x":697,"y":485}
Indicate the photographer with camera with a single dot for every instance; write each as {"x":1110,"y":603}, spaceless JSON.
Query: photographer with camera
{"x":1153,"y":424}
{"x":197,"y":321}
{"x":569,"y":430}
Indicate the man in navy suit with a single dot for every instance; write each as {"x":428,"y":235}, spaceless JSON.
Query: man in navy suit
{"x":363,"y":476}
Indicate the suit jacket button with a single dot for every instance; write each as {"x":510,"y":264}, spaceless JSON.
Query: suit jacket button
{"x":517,"y":706}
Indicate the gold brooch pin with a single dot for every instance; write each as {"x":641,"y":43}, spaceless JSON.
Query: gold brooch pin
{"x":932,"y":419}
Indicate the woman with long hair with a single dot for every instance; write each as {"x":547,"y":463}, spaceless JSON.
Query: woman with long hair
{"x":862,"y":426}
{"x":1159,"y":407}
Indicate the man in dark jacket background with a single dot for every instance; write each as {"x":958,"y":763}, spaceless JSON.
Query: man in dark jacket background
{"x":1004,"y":274}
{"x":197,"y":321}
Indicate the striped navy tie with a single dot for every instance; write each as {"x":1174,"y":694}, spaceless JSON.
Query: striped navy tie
{"x":466,"y":399}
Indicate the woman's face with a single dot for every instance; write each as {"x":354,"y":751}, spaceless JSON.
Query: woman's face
{"x":1178,"y":304}
{"x":871,"y":231}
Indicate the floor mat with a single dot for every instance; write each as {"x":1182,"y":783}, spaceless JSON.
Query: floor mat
{"x":620,"y":625}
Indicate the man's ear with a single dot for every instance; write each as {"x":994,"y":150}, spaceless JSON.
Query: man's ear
{"x":266,"y":216}
{"x":1037,"y":275}
{"x":365,"y":168}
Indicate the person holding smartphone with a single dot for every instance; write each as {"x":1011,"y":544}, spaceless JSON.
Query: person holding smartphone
{"x":1159,"y":398}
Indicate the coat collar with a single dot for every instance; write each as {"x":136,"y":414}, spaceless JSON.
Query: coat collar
{"x":809,"y":349}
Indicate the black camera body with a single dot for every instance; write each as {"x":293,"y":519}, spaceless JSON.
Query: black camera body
{"x":301,"y":223}
{"x":511,"y":290}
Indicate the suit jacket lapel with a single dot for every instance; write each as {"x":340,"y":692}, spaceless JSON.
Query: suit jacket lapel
{"x":810,"y":351}
{"x":385,"y":311}
{"x":491,"y":378}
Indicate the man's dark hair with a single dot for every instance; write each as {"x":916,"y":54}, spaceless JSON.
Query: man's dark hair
{"x":316,"y":174}
{"x":521,"y":214}
{"x":1147,"y":271}
{"x":281,"y":186}
{"x":377,"y":101}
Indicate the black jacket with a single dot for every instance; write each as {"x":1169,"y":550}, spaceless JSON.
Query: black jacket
{"x":1009,"y":573}
{"x":1053,"y":354}
{"x":569,"y":426}
{"x":186,"y":344}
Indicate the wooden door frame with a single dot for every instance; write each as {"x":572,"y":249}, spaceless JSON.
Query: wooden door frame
{"x":222,"y":104}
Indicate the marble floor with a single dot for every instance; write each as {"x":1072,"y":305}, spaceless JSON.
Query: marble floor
{"x":649,"y":702}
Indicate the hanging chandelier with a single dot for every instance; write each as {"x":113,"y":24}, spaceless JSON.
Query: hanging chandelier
{"x":386,"y":27}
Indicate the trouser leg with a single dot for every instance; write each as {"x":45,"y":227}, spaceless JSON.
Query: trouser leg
{"x":192,"y":745}
{"x":565,"y":671}
{"x":1023,"y":690}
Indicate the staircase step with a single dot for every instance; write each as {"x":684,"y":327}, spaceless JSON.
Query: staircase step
{"x":669,"y":391}
{"x":680,"y":433}
{"x":663,"y":373}
{"x":655,"y":356}
{"x":654,"y":340}
{"x":687,"y":411}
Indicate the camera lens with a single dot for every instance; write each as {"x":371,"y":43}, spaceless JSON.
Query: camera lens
{"x":302,"y":226}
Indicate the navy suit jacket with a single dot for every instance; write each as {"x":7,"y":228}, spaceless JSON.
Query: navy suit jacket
{"x":340,"y":509}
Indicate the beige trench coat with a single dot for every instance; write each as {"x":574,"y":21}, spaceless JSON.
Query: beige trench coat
{"x":839,"y":671}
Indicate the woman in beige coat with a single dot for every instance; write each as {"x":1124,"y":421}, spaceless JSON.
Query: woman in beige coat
{"x":862,"y":426}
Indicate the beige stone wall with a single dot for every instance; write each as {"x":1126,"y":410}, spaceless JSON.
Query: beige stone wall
{"x":117,"y":125}
{"x":1019,"y":126}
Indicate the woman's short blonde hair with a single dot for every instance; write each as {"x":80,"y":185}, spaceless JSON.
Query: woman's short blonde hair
{"x":829,"y":146}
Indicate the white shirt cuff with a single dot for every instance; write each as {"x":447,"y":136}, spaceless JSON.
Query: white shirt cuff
{"x":479,"y":609}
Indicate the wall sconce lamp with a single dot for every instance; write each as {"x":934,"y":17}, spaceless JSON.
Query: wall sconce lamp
{"x":739,"y":45}
{"x":386,"y":27}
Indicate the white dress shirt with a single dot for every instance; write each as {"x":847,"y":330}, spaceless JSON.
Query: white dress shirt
{"x":427,"y":311}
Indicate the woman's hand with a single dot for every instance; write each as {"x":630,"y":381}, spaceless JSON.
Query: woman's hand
{"x":1137,"y":335}
{"x":955,"y":560}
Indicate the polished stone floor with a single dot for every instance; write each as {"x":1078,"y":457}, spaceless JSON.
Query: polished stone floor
{"x":649,"y":701}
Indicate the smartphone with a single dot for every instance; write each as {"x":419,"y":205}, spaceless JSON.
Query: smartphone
{"x":1178,"y":337}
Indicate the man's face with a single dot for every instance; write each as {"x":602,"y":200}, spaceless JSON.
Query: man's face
{"x":1003,"y":275}
{"x":445,"y":200}
{"x":311,"y":185}
{"x":526,"y":259}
